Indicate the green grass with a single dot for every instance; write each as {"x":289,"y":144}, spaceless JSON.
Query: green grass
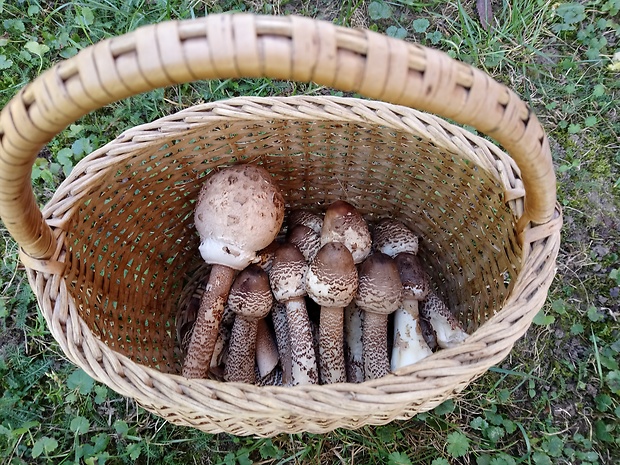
{"x":555,"y":399}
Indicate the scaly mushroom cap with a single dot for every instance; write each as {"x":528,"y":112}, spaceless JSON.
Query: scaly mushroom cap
{"x":416,"y":282}
{"x":447,"y":328}
{"x":288,"y":273}
{"x":392,"y":237}
{"x":343,"y":223}
{"x":331,"y":280}
{"x":379,"y":289}
{"x":307,"y":240}
{"x":250,"y":295}
{"x":305,"y":218}
{"x":240,"y":210}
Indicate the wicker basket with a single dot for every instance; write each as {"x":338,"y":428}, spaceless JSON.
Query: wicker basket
{"x":113,"y":252}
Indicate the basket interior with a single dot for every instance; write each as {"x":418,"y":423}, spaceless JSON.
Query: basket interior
{"x":133,"y":249}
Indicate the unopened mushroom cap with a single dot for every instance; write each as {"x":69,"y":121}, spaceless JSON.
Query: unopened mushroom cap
{"x":379,"y":289}
{"x":416,"y":282}
{"x":307,"y":240}
{"x":250,"y":294}
{"x":392,"y":237}
{"x":343,"y":223}
{"x":240,"y":210}
{"x":331,"y":280}
{"x":288,"y":273}
{"x":305,"y":218}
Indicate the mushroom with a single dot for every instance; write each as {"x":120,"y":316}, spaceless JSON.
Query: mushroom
{"x":239,"y":211}
{"x":251,"y":299}
{"x":331,"y":282}
{"x":288,"y":282}
{"x":447,"y":328}
{"x":305,"y":218}
{"x":307,"y":240}
{"x":392,"y":237}
{"x":409,"y":344}
{"x":379,"y":293}
{"x":280,"y":326}
{"x":343,"y":223}
{"x":354,"y":348}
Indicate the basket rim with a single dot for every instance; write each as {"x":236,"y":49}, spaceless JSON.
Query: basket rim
{"x":392,"y":397}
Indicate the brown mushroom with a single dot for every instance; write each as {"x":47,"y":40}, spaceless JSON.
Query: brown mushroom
{"x":343,"y":223}
{"x":392,"y":237}
{"x":305,"y":218}
{"x":447,"y":328}
{"x":409,"y":344}
{"x":379,"y":293}
{"x":239,"y":211}
{"x":331,"y":282}
{"x":288,"y":282}
{"x":307,"y":240}
{"x":251,"y":299}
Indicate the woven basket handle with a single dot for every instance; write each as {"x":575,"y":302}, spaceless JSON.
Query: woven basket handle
{"x":240,"y":45}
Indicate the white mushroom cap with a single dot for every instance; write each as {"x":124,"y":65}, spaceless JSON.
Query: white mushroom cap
{"x":343,"y":223}
{"x":392,"y":237}
{"x":240,"y":210}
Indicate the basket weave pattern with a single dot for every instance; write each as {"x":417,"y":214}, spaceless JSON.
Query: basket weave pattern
{"x":122,"y":250}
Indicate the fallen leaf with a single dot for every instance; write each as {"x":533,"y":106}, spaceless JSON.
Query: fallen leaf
{"x":485,"y":13}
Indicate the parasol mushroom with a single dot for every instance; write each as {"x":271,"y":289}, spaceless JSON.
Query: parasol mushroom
{"x":307,"y":240}
{"x":379,"y":293}
{"x":251,"y":299}
{"x":331,"y":282}
{"x":239,"y":211}
{"x":392,"y":237}
{"x":409,"y":343}
{"x":447,"y":328}
{"x":288,"y":282}
{"x":343,"y":223}
{"x":305,"y":218}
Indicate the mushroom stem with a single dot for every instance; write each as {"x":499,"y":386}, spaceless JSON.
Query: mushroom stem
{"x":354,"y":351}
{"x":204,"y":335}
{"x":331,"y":349}
{"x":283,"y":341}
{"x":267,"y":356}
{"x":409,"y":343}
{"x":240,"y":363}
{"x":374,"y":338}
{"x":303,"y":366}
